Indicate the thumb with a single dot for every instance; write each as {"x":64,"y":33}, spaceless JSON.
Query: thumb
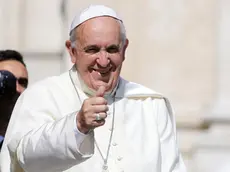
{"x":101,"y":91}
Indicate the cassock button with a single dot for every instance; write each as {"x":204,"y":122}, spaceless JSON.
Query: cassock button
{"x":114,"y":144}
{"x":119,"y":158}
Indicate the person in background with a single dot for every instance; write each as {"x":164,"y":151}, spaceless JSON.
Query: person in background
{"x":8,"y":97}
{"x":89,"y":119}
{"x":13,"y":62}
{"x":13,"y":81}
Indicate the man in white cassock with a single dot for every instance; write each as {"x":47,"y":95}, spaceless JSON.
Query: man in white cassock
{"x":89,"y":119}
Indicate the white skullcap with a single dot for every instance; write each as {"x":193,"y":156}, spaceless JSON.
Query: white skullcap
{"x":91,"y":12}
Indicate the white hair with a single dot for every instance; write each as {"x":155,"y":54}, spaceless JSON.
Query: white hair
{"x":73,"y":35}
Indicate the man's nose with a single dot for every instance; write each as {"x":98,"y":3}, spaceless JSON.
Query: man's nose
{"x":103,"y":59}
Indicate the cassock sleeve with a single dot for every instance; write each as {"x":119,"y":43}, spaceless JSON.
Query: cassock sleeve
{"x":171,"y":160}
{"x":40,"y":139}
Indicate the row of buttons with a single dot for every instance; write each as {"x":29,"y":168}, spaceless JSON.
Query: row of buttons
{"x":115,"y":144}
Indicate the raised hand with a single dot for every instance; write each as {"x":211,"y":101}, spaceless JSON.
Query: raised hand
{"x":93,"y":112}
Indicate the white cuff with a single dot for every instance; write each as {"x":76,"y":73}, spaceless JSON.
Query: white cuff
{"x":78,"y":135}
{"x":85,"y":142}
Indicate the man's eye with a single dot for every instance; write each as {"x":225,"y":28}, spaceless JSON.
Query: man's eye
{"x":112,"y":50}
{"x":92,"y":50}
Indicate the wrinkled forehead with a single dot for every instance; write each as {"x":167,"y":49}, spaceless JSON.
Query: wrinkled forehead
{"x":99,"y":30}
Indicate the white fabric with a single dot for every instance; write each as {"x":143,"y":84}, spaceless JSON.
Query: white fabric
{"x":41,"y":136}
{"x":91,"y":12}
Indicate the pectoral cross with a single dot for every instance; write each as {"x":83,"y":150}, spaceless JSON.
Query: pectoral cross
{"x":105,"y":168}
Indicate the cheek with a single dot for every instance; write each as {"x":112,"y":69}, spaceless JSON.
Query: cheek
{"x":85,"y":62}
{"x":117,"y":61}
{"x":19,"y":88}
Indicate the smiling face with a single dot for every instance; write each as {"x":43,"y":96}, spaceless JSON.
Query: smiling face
{"x":99,"y":52}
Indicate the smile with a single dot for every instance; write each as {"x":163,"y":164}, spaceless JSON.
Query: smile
{"x":103,"y":72}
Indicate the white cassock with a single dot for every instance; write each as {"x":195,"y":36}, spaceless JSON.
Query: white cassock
{"x":42,"y":134}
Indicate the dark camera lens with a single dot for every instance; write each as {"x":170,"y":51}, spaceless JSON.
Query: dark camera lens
{"x":8,"y":95}
{"x":7,"y":84}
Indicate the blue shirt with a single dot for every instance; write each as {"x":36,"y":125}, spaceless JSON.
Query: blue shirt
{"x":1,"y":138}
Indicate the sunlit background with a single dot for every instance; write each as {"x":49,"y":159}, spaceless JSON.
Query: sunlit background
{"x":180,"y":48}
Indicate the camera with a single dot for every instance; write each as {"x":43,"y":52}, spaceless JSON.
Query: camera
{"x":8,"y":94}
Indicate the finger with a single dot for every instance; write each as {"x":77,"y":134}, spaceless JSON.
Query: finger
{"x":98,"y":123}
{"x":100,"y":108}
{"x":100,"y":92}
{"x":98,"y":101}
{"x":102,"y":116}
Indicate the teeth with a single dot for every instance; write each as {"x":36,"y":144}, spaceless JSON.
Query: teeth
{"x":102,"y":73}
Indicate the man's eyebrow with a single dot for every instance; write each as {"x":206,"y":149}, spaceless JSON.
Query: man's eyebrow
{"x":96,"y":46}
{"x":113,"y":46}
{"x":90,"y":46}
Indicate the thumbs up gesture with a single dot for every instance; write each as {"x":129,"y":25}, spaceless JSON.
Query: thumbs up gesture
{"x":93,"y":112}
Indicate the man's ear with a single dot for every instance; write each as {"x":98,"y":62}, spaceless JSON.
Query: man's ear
{"x":125,"y":47}
{"x":70,"y":50}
